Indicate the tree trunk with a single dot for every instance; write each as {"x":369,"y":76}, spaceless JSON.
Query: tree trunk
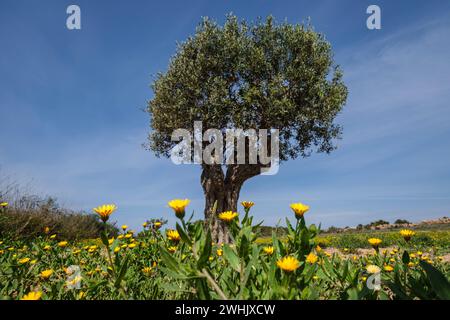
{"x":223,"y":190}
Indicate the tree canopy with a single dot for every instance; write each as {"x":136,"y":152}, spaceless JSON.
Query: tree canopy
{"x":251,"y":76}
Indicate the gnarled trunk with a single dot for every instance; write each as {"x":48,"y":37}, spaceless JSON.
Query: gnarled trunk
{"x":223,"y":189}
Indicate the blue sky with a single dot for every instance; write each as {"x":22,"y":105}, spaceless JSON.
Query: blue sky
{"x":71,"y":123}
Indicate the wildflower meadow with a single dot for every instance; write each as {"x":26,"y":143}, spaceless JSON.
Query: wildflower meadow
{"x":182,"y":262}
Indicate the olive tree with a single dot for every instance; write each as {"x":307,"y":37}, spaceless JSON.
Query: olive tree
{"x":250,"y":76}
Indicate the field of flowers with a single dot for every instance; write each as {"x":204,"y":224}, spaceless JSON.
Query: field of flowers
{"x":184,"y":263}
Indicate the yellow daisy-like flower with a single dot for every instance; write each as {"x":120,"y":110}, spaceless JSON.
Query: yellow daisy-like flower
{"x":132,"y":245}
{"x":227,"y":216}
{"x":318,"y":248}
{"x":124,"y":227}
{"x":299,"y":209}
{"x":46,"y":273}
{"x":147,"y":270}
{"x":311,"y":258}
{"x":388,"y":268}
{"x":116,"y":249}
{"x":288,"y":264}
{"x":247,"y":204}
{"x":157,"y":225}
{"x":33,"y":295}
{"x":407,"y":234}
{"x":47,"y":247}
{"x":24,"y":260}
{"x":145,"y":224}
{"x":372,"y":269}
{"x":105,"y":211}
{"x":411,"y":264}
{"x":53,"y":236}
{"x":179,"y":206}
{"x":172,"y":249}
{"x":268,"y":250}
{"x":46,"y":230}
{"x":374,"y":242}
{"x":173,"y":235}
{"x":219,"y":252}
{"x":62,"y":244}
{"x":3,"y":204}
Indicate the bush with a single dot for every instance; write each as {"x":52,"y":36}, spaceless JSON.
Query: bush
{"x":402,"y":221}
{"x":27,"y":218}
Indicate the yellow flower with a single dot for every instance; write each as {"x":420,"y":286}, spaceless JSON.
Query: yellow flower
{"x":132,"y":245}
{"x":318,"y":248}
{"x":299,"y":209}
{"x":24,"y":260}
{"x":3,"y":204}
{"x":116,"y":249}
{"x":179,"y":206}
{"x":124,"y":227}
{"x":228,"y":216}
{"x":172,"y":249}
{"x":128,"y":235}
{"x":46,"y":273}
{"x":81,"y":295}
{"x":407,"y":234}
{"x":373,"y":269}
{"x":288,"y":264}
{"x":33,"y":261}
{"x":105,"y":211}
{"x":144,"y":224}
{"x":147,"y":270}
{"x":33,"y":295}
{"x":311,"y":258}
{"x":374,"y":242}
{"x":62,"y":244}
{"x":53,"y":236}
{"x":219,"y":252}
{"x":173,"y":235}
{"x":388,"y":268}
{"x":47,"y":247}
{"x":411,"y":264}
{"x":157,"y":225}
{"x":46,"y":230}
{"x":412,"y":255}
{"x":247,"y":204}
{"x":268,"y":250}
{"x":111,"y":241}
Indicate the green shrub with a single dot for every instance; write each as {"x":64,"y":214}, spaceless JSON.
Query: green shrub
{"x":27,"y":218}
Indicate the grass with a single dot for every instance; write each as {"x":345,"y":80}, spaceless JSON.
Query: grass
{"x":437,"y":239}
